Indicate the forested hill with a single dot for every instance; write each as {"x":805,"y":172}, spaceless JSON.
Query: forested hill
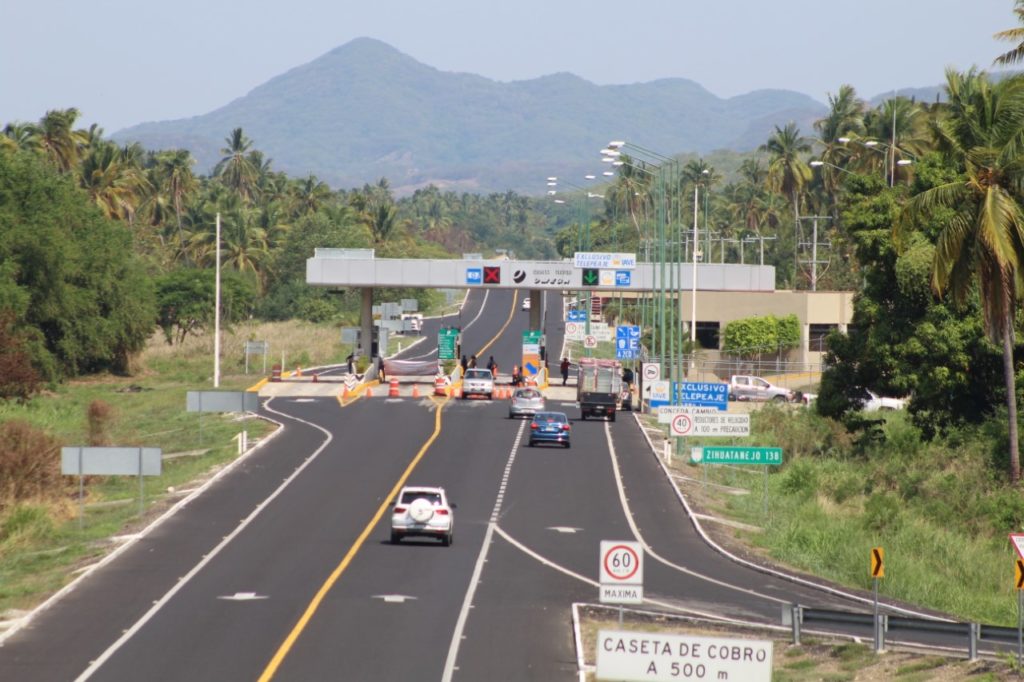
{"x":365,"y":111}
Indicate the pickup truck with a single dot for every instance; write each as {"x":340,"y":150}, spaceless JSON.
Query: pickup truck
{"x":744,"y":387}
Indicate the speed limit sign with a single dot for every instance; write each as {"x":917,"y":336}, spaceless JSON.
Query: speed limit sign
{"x":622,"y":572}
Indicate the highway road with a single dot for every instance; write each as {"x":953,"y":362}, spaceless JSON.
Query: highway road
{"x":282,"y":569}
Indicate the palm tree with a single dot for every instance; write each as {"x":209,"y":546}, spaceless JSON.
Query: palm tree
{"x":983,"y":241}
{"x":845,"y":119}
{"x":787,"y":172}
{"x":22,"y":136}
{"x":174,"y":171}
{"x":59,"y":140}
{"x":1013,"y":35}
{"x":113,"y":180}
{"x":237,"y":169}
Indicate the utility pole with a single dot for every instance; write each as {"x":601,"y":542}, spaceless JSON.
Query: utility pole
{"x":814,"y":248}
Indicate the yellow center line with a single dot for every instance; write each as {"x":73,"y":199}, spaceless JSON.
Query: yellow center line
{"x":289,"y":641}
{"x":511,"y":314}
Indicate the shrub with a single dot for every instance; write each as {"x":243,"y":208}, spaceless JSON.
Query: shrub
{"x":29,"y":464}
{"x":100,"y":414}
{"x":882,"y":513}
{"x":800,"y":478}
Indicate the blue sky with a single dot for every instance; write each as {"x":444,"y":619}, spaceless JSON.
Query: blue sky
{"x":122,"y":62}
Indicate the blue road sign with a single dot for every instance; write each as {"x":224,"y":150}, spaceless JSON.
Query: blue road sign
{"x":701,"y":394}
{"x":577,"y":316}
{"x":627,"y":342}
{"x":623,"y":278}
{"x":474,"y":275}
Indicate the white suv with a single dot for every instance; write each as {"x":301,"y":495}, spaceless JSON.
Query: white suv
{"x":422,"y":511}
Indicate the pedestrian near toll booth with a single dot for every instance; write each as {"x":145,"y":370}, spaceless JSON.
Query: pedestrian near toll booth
{"x":564,"y":368}
{"x":490,"y":364}
{"x":494,"y":370}
{"x":463,"y":363}
{"x":350,"y":364}
{"x":380,"y":369}
{"x":472,"y":362}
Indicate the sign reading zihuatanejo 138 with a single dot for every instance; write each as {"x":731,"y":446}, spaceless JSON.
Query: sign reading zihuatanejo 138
{"x":597,"y":259}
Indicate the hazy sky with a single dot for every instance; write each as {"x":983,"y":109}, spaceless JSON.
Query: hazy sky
{"x":122,"y":62}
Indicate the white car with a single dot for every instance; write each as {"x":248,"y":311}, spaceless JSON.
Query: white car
{"x":422,"y":511}
{"x":872,"y":402}
{"x":478,"y":382}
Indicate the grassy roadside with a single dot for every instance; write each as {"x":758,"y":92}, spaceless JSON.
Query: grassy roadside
{"x":41,"y":543}
{"x":939,"y":510}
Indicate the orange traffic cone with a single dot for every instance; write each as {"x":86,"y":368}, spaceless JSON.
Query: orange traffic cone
{"x":369,"y":392}
{"x":415,"y":391}
{"x":344,"y":392}
{"x":393,"y":388}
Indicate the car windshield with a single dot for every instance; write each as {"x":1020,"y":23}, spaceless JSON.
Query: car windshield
{"x":528,"y":394}
{"x":478,"y":374}
{"x":550,"y":417}
{"x":411,"y":496}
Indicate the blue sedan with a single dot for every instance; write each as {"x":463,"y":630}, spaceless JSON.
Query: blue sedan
{"x":550,"y":427}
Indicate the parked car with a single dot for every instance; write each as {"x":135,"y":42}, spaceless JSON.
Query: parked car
{"x":550,"y":427}
{"x":422,"y":511}
{"x":478,"y":382}
{"x":872,"y":402}
{"x":743,"y":387}
{"x":525,"y":403}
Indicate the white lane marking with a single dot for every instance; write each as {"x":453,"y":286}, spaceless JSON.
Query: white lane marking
{"x":243,"y":596}
{"x":467,"y":602}
{"x":86,"y":571}
{"x":593,"y":583}
{"x":304,"y":400}
{"x":743,"y":562}
{"x":394,"y":598}
{"x":647,"y":548}
{"x":184,"y":580}
{"x":564,"y":529}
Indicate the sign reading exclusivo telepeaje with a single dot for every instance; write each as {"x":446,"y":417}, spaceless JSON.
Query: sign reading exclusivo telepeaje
{"x":604,"y":261}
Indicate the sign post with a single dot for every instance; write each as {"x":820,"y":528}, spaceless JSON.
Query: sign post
{"x":622,"y":573}
{"x":878,"y":572}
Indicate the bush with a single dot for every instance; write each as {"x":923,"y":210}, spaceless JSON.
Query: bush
{"x":100,"y":414}
{"x":800,"y":479}
{"x":29,"y":464}
{"x":882,"y":513}
{"x":18,"y":378}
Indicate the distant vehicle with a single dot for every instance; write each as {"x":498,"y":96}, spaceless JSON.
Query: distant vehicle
{"x":412,"y":323}
{"x":525,"y":402}
{"x":550,"y":427}
{"x":872,"y":402}
{"x":422,"y":511}
{"x":526,"y":304}
{"x":743,"y":387}
{"x":599,"y":387}
{"x":478,"y":382}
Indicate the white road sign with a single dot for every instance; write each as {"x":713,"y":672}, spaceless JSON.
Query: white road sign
{"x":651,"y":371}
{"x":590,"y":341}
{"x":575,"y":331}
{"x":710,"y":424}
{"x":667,"y":412}
{"x":622,"y":572}
{"x":1018,"y":543}
{"x":657,"y":657}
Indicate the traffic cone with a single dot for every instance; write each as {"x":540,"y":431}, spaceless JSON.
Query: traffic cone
{"x":344,"y":392}
{"x":393,"y":388}
{"x":369,"y":392}
{"x":415,"y":391}
{"x":298,"y":371}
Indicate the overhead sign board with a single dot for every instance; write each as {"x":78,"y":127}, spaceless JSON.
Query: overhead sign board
{"x":707,"y":394}
{"x":546,"y":275}
{"x":704,"y":424}
{"x":661,"y":657}
{"x":621,"y":572}
{"x":731,"y":454}
{"x":604,"y":261}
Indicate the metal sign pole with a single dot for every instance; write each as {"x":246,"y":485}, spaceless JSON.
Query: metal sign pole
{"x":765,"y":496}
{"x":1020,"y":627}
{"x":81,"y":490}
{"x":876,"y":621}
{"x":142,"y":488}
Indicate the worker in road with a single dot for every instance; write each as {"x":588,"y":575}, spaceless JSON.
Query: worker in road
{"x":564,"y":367}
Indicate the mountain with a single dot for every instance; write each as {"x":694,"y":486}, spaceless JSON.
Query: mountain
{"x":365,"y":111}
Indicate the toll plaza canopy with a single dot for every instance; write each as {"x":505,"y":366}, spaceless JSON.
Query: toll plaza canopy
{"x":359,"y":268}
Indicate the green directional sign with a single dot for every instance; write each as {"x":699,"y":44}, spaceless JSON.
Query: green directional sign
{"x":730,"y":454}
{"x":591,"y":276}
{"x":447,"y":340}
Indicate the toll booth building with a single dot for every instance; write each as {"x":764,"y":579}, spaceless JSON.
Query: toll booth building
{"x":725,"y":291}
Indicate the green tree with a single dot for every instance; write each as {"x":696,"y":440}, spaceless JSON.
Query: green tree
{"x":787,"y":171}
{"x":237,"y":169}
{"x":1013,"y":35}
{"x":186,"y":298}
{"x":983,"y":241}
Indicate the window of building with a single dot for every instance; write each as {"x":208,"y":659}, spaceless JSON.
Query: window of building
{"x":708,"y":334}
{"x":818,"y":334}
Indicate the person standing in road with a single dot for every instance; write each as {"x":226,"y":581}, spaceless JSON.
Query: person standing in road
{"x":380,"y":369}
{"x":490,"y":364}
{"x":564,"y":367}
{"x":472,"y":362}
{"x":463,"y":363}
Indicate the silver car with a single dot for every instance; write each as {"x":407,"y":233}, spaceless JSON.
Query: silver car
{"x":526,"y":402}
{"x":478,"y":382}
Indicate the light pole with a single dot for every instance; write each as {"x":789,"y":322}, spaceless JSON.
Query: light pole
{"x":889,"y":152}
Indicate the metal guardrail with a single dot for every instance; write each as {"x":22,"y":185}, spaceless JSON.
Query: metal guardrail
{"x":796,"y":615}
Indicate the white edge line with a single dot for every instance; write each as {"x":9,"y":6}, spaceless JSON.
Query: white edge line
{"x":749,"y":564}
{"x":64,"y":591}
{"x":112,"y":649}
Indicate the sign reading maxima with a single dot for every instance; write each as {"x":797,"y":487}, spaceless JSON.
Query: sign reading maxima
{"x":604,"y":261}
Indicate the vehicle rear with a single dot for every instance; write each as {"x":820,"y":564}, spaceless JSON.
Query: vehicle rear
{"x":422,"y":512}
{"x":599,"y":387}
{"x":526,"y":402}
{"x":550,"y":427}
